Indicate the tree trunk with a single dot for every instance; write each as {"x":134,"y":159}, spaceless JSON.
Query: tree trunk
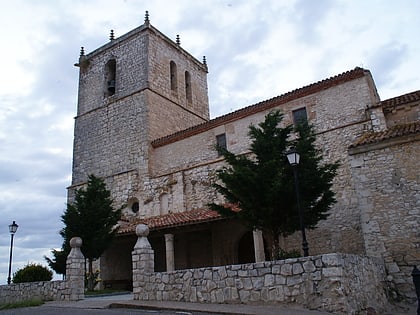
{"x":275,"y":247}
{"x":90,"y":280}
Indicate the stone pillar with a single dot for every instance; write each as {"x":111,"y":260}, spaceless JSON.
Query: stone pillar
{"x":258,"y":245}
{"x":143,"y":264}
{"x":75,"y":271}
{"x":170,"y":255}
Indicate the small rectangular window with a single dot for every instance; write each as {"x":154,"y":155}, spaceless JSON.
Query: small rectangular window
{"x":221,"y":141}
{"x":300,"y":116}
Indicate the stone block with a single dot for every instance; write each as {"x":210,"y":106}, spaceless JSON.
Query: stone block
{"x":243,"y":273}
{"x":332,"y":272}
{"x":280,"y":280}
{"x":297,"y":269}
{"x":275,"y":269}
{"x":247,"y":283}
{"x":332,"y":260}
{"x":244,"y":296}
{"x":269,"y":280}
{"x":294,"y":280}
{"x":208,"y":275}
{"x":257,"y":283}
{"x":286,"y":270}
{"x":263,"y":271}
{"x":309,"y":266}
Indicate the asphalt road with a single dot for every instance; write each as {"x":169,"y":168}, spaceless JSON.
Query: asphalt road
{"x":51,"y":310}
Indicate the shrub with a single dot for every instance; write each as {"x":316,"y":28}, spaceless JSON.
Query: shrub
{"x":32,"y":273}
{"x":283,"y":254}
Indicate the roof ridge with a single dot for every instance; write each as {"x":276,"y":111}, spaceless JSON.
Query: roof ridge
{"x":260,"y":106}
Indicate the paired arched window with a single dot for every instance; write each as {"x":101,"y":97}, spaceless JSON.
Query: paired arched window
{"x":110,"y":74}
{"x":174,"y":81}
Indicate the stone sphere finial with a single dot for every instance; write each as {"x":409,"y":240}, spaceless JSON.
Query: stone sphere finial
{"x":142,"y":230}
{"x":76,"y":242}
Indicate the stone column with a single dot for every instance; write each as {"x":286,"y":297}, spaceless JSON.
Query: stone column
{"x":170,"y":255}
{"x":258,"y":245}
{"x":75,"y":271}
{"x":143,"y":264}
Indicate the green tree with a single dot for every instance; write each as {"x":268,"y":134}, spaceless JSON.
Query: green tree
{"x":261,"y":184}
{"x":32,"y":273}
{"x":58,"y":262}
{"x":93,"y":218}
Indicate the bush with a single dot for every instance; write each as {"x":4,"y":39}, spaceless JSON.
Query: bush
{"x":283,"y":254}
{"x":32,"y":273}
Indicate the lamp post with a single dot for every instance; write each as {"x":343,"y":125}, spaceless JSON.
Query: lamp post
{"x":416,"y":280}
{"x":294,"y":158}
{"x":12,"y":229}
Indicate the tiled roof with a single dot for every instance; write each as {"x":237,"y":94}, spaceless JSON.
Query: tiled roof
{"x":390,"y":104}
{"x":264,"y":105}
{"x":393,"y":132}
{"x":170,"y":220}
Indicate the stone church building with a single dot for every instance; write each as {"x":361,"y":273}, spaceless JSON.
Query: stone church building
{"x":143,"y":125}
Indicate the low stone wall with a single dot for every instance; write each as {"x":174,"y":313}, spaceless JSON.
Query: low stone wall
{"x":43,"y":290}
{"x":340,"y":283}
{"x":73,"y":289}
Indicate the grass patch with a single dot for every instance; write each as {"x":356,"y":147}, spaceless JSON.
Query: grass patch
{"x":35,"y":302}
{"x":104,"y":291}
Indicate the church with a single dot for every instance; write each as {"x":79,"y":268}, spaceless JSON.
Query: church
{"x":143,"y":125}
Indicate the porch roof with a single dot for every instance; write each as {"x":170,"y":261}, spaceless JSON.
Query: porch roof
{"x":170,"y":220}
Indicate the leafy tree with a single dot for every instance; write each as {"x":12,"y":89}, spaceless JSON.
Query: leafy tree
{"x":58,"y":262}
{"x":93,"y":218}
{"x":32,"y":273}
{"x":261,"y":184}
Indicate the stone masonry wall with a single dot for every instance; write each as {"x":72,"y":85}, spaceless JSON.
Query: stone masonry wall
{"x":161,"y":52}
{"x":112,"y":132}
{"x":387,"y":180}
{"x":338,"y":114}
{"x":72,"y":289}
{"x":338,"y":283}
{"x":43,"y":290}
{"x":110,"y":140}
{"x":130,"y":55}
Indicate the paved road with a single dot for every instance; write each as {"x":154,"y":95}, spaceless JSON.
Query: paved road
{"x":51,"y":310}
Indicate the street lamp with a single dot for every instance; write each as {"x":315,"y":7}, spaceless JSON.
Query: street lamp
{"x":12,"y":229}
{"x":294,"y":158}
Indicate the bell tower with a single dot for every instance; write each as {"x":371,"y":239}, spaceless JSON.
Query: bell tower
{"x":132,"y":90}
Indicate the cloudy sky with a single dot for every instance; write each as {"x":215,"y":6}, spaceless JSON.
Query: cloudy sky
{"x":255,"y":49}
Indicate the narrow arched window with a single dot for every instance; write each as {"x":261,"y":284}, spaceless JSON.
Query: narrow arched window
{"x":188,"y":91}
{"x":110,"y":74}
{"x":174,"y":82}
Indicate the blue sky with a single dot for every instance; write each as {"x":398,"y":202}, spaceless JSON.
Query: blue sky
{"x":255,"y":50}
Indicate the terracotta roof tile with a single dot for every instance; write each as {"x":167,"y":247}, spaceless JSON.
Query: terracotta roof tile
{"x":195,"y":216}
{"x":393,"y":132}
{"x":261,"y":106}
{"x":390,"y":104}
